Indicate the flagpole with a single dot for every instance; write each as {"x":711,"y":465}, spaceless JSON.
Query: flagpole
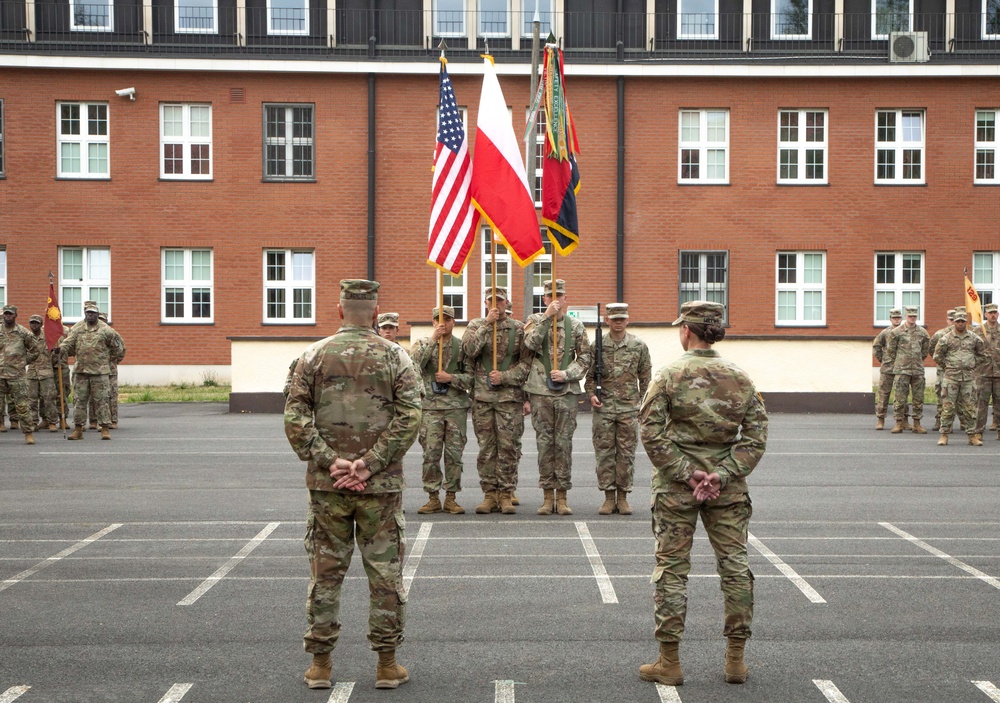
{"x":555,"y":318}
{"x":493,"y":278}
{"x":58,"y":370}
{"x":530,"y":145}
{"x":440,"y":306}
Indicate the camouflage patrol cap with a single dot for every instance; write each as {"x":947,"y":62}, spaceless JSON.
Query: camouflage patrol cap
{"x":449,"y":311}
{"x":951,"y":314}
{"x":910,"y":310}
{"x":617,"y":311}
{"x":560,"y":287}
{"x":501,"y":293}
{"x":701,"y":312}
{"x":91,"y":306}
{"x":895,"y":312}
{"x":990,"y":307}
{"x":388,"y":319}
{"x":960,"y":315}
{"x":358,"y":289}
{"x":35,"y":318}
{"x":10,"y":308}
{"x":102,"y":317}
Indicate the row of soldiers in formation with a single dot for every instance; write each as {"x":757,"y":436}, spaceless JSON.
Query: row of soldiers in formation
{"x":30,"y":373}
{"x":968,"y":372}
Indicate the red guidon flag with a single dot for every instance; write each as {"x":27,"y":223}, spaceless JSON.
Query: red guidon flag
{"x":53,"y":319}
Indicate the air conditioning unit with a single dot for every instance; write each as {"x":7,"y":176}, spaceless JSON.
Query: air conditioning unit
{"x":908,"y":47}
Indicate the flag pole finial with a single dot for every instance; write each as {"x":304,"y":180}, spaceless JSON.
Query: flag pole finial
{"x":442,"y":47}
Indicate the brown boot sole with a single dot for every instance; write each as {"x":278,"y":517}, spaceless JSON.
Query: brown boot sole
{"x":391,"y":683}
{"x":318,"y":683}
{"x":665,"y":680}
{"x":736,"y":678}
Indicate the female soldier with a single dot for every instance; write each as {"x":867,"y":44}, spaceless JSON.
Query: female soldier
{"x":704,"y":428}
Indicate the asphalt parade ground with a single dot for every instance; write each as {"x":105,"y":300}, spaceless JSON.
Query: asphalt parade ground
{"x":167,"y":566}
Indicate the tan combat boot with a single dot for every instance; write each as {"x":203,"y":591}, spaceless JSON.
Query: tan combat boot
{"x":514,"y":500}
{"x":943,"y":441}
{"x":880,"y":424}
{"x":917,"y":429}
{"x":736,"y":669}
{"x":389,"y":674}
{"x":114,"y":425}
{"x":608,"y":506}
{"x":105,"y":433}
{"x":547,"y":503}
{"x":93,"y":425}
{"x":623,"y":507}
{"x":433,"y":504}
{"x":976,"y":440}
{"x":3,"y":425}
{"x":489,"y":504}
{"x":666,"y":669}
{"x":77,"y":433}
{"x":451,"y":504}
{"x":906,"y":423}
{"x":898,"y":427}
{"x":52,"y":427}
{"x":15,"y":425}
{"x":561,"y":506}
{"x":29,"y":438}
{"x":318,"y":675}
{"x":506,"y":506}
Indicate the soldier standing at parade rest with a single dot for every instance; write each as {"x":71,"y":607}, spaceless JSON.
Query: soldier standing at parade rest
{"x":388,"y":326}
{"x":497,"y":399}
{"x":552,"y":390}
{"x":18,"y":349}
{"x":112,"y":384}
{"x":988,"y":373}
{"x":960,"y":352}
{"x":939,"y":373}
{"x":704,"y":428}
{"x":43,"y":398}
{"x":444,"y":428}
{"x":908,"y":346}
{"x":625,"y":372}
{"x":885,"y":377}
{"x":353,"y":410}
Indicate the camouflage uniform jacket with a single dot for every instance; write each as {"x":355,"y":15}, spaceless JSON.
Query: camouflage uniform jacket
{"x":936,"y":337}
{"x":424,"y":353}
{"x":626,"y":370}
{"x":477,"y":343}
{"x":354,"y":396}
{"x":18,"y":348}
{"x":990,"y":368}
{"x":537,"y":336}
{"x":95,"y":347}
{"x":878,"y":350}
{"x":42,"y":366}
{"x":908,"y":347}
{"x":702,"y":412}
{"x":960,"y":354}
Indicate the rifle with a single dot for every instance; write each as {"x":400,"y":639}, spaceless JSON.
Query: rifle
{"x":598,"y":354}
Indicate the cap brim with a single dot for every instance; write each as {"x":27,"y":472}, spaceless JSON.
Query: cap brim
{"x":679,"y":320}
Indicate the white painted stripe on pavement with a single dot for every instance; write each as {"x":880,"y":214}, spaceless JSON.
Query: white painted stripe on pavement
{"x":176,"y":692}
{"x":608,"y":594}
{"x":504,"y":691}
{"x":948,"y":558}
{"x":413,"y":561}
{"x":989,"y":689}
{"x":341,"y":692}
{"x":668,"y":694}
{"x":788,"y":571}
{"x":832,"y":693}
{"x":13,"y":693}
{"x":229,"y":565}
{"x":56,"y":557}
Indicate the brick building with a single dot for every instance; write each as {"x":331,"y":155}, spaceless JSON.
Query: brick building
{"x":208,"y":172}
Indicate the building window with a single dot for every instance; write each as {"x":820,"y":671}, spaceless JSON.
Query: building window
{"x":449,"y":18}
{"x":801,"y":290}
{"x":288,"y":16}
{"x":899,"y":283}
{"x":891,"y":16}
{"x":3,"y":277}
{"x":494,"y":18}
{"x":802,"y":146}
{"x":697,"y":19}
{"x":991,"y":19}
{"x":289,"y":286}
{"x":187,"y":285}
{"x":83,"y":140}
{"x":899,"y":146}
{"x":704,"y":275}
{"x":289,"y":153}
{"x":791,"y":19}
{"x":91,"y":15}
{"x":196,"y":16}
{"x":84,"y":274}
{"x":704,"y":146}
{"x":3,"y":170}
{"x":540,"y":127}
{"x":503,"y":260}
{"x":541,"y":273}
{"x":186,"y":142}
{"x":528,"y":16}
{"x":986,"y":275}
{"x":986,"y":147}
{"x":454,"y":292}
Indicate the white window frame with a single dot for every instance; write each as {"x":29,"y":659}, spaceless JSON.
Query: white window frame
{"x":187,"y":285}
{"x":186,"y":141}
{"x":776,"y":24}
{"x":681,"y":34}
{"x":802,"y":146}
{"x":987,"y":147}
{"x":455,"y":291}
{"x":84,"y":141}
{"x":538,"y":155}
{"x":986,"y":19}
{"x":505,"y":262}
{"x":885,"y":35}
{"x":986,"y":275}
{"x":899,"y":145}
{"x":290,"y":285}
{"x":703,"y":146}
{"x":538,"y":279}
{"x":304,"y":8}
{"x":214,"y":29}
{"x":899,"y":294}
{"x":89,"y":282}
{"x":702,"y":289}
{"x":289,"y":141}
{"x":87,"y":5}
{"x":546,"y":13}
{"x":481,"y":30}
{"x":800,"y":288}
{"x":3,"y":276}
{"x":461,"y":31}
{"x":3,"y":160}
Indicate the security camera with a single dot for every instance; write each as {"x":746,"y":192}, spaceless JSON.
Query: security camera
{"x":130,"y":92}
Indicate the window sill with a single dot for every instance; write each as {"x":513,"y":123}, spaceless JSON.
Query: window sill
{"x":185,"y":323}
{"x":703,"y":183}
{"x":267,"y":323}
{"x":164,"y":179}
{"x":801,"y":325}
{"x":288,"y":180}
{"x":794,"y":184}
{"x":898,"y":185}
{"x":83,"y":178}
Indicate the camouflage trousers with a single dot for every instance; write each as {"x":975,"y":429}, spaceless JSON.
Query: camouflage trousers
{"x":675,"y":517}
{"x":902,"y":387}
{"x":885,"y":380}
{"x":616,"y":436}
{"x":498,"y":428}
{"x":112,"y":400}
{"x":85,"y":387}
{"x":960,"y":396}
{"x":14,"y":395}
{"x":989,"y":386}
{"x":443,"y":432}
{"x":335,"y":522}
{"x":43,"y":401}
{"x":938,"y":378}
{"x":554,"y":420}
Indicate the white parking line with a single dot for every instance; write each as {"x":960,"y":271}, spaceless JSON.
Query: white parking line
{"x":608,"y":594}
{"x":668,"y":694}
{"x":13,"y":693}
{"x":56,"y":557}
{"x":341,"y":692}
{"x":938,"y":553}
{"x":413,"y":561}
{"x":229,"y":565}
{"x":788,"y":571}
{"x":176,"y":692}
{"x":989,"y":689}
{"x":831,"y":692}
{"x":504,"y":691}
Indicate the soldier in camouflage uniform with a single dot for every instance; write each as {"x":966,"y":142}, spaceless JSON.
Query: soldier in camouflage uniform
{"x":960,"y":352}
{"x":625,"y":373}
{"x":388,"y":326}
{"x":353,"y":410}
{"x":443,"y":429}
{"x":498,"y":398}
{"x":112,"y":386}
{"x":95,"y":345}
{"x":552,"y":389}
{"x":704,"y":428}
{"x":43,"y":398}
{"x":988,"y":373}
{"x":885,"y":376}
{"x":939,"y":372}
{"x":18,"y":349}
{"x":908,"y":346}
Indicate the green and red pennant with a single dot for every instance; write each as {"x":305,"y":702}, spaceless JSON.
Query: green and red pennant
{"x":560,"y":175}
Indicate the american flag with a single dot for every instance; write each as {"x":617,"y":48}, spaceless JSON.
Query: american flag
{"x":453,"y":218}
